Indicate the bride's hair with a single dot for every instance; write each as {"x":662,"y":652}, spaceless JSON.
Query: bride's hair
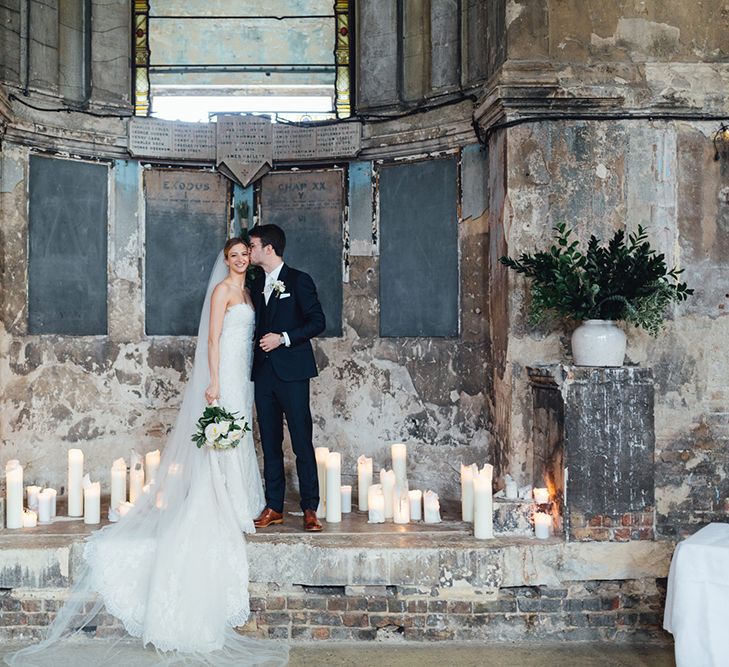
{"x":233,"y":242}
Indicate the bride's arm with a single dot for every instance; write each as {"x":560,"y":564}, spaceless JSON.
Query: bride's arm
{"x":218,"y":302}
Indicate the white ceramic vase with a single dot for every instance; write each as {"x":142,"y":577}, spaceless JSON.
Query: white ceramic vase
{"x":598,"y":343}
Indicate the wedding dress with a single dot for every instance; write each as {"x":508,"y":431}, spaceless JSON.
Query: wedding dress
{"x":174,"y":570}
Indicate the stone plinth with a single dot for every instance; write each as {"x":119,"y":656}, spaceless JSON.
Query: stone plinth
{"x":596,"y":423}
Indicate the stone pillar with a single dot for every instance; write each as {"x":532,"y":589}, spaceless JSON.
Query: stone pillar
{"x":593,"y":440}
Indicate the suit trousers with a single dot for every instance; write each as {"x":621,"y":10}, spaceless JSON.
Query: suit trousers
{"x":274,"y":399}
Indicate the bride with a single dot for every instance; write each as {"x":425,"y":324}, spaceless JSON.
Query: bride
{"x":174,"y":570}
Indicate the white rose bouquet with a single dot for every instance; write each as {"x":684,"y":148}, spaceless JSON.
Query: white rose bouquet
{"x":219,"y":429}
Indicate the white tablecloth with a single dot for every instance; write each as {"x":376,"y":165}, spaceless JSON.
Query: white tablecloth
{"x":697,"y":604}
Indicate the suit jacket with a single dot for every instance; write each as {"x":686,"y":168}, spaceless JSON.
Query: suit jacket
{"x":300,"y":315}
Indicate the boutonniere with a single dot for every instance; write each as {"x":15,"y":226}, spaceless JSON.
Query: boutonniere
{"x":279,"y":288}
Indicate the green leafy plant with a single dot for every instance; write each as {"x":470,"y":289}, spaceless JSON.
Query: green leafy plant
{"x":624,"y":280}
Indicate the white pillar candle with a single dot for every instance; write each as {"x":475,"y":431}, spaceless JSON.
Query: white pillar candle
{"x":542,"y":525}
{"x":30,"y":519}
{"x":401,"y":506}
{"x":13,"y":494}
{"x":75,"y":489}
{"x":322,"y":454}
{"x":53,"y":494}
{"x":431,"y":507}
{"x":511,"y":490}
{"x":45,"y":506}
{"x":483,"y":514}
{"x":376,"y":504}
{"x":416,"y":505}
{"x":92,"y":501}
{"x":136,"y":477}
{"x":334,"y":491}
{"x":467,"y":473}
{"x":364,"y":481}
{"x":399,"y":463}
{"x":118,"y":483}
{"x":346,"y":499}
{"x":151,"y":465}
{"x":31,"y":493}
{"x":387,"y":480}
{"x":541,"y":496}
{"x":124,"y":508}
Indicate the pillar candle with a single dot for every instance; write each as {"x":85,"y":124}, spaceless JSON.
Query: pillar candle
{"x":483,"y":513}
{"x":399,"y":463}
{"x":75,"y":482}
{"x":542,"y":525}
{"x":118,"y":483}
{"x":151,"y":465}
{"x":136,"y":477}
{"x":31,"y":493}
{"x":124,"y":508}
{"x":364,"y":481}
{"x":401,"y":506}
{"x":541,"y":496}
{"x":45,"y":506}
{"x":431,"y":507}
{"x":511,"y":491}
{"x":30,"y":519}
{"x":322,"y":454}
{"x":54,"y":494}
{"x":467,"y":474}
{"x":346,"y":499}
{"x":416,"y":505}
{"x":334,"y":491}
{"x":13,"y":494}
{"x":376,"y":504}
{"x":387,"y":481}
{"x":92,"y":501}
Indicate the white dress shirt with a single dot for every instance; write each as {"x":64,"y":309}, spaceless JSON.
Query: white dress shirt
{"x":271,"y":278}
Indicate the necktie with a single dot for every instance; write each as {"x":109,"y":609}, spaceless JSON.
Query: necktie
{"x":268,"y":288}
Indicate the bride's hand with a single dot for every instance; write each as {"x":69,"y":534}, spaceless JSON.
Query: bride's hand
{"x":212,"y":393}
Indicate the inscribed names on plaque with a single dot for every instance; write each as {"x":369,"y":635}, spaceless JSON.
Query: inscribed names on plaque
{"x":244,"y":147}
{"x":149,"y":137}
{"x":297,"y":142}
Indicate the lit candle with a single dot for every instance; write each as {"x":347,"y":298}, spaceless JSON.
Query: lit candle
{"x":542,"y":525}
{"x":399,"y":463}
{"x":401,"y":506}
{"x":151,"y":465}
{"x":541,"y":496}
{"x":483,"y":514}
{"x":511,"y":491}
{"x":53,"y":494}
{"x":45,"y":506}
{"x":431,"y":507}
{"x":467,"y":474}
{"x":118,"y":483}
{"x":32,"y":495}
{"x":136,"y":477}
{"x":92,"y":501}
{"x":322,"y":455}
{"x":346,"y":499}
{"x":124,"y":508}
{"x":416,"y":505}
{"x":364,"y":481}
{"x":75,"y":482}
{"x":387,"y":481}
{"x":30,"y":519}
{"x":375,"y":504}
{"x":334,"y":492}
{"x":13,"y":494}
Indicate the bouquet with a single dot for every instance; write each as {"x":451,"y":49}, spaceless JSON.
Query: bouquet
{"x":219,"y":429}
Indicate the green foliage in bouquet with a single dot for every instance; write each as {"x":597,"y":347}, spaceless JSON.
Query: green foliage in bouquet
{"x":219,"y":429}
{"x":625,"y":280}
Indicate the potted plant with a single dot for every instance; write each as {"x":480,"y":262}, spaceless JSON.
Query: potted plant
{"x":624,"y":280}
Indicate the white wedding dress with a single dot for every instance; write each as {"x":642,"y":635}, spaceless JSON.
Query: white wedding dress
{"x":174,"y":570}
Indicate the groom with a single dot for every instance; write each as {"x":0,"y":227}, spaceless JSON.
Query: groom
{"x":288,"y":316}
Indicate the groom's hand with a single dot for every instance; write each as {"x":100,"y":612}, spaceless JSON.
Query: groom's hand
{"x":270,"y":342}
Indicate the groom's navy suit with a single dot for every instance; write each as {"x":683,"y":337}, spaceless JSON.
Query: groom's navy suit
{"x":282,"y":382}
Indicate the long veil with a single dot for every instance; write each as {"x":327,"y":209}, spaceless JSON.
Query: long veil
{"x":161,"y":546}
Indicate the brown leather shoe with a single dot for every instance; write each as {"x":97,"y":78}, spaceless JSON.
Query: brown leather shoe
{"x":268,"y":517}
{"x":311,"y":523}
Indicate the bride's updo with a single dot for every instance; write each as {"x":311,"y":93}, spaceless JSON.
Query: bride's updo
{"x":233,"y":242}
